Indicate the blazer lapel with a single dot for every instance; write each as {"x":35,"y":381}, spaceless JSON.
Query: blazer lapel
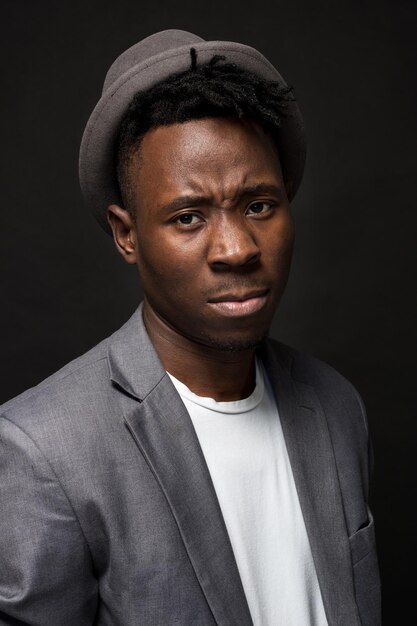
{"x":312,"y":459}
{"x":163,"y":431}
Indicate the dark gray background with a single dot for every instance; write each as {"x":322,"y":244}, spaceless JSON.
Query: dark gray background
{"x":351,"y":296}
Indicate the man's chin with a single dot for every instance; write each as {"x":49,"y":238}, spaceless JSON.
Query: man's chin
{"x":233,"y":344}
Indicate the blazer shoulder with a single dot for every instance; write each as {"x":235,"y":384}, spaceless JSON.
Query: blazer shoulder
{"x":64,"y":388}
{"x":307,"y":368}
{"x":330,"y":385}
{"x":83,"y":396}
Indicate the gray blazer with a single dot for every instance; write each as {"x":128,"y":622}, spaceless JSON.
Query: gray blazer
{"x":108,"y":514}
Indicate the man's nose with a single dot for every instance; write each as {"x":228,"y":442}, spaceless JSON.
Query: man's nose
{"x":232,"y":245}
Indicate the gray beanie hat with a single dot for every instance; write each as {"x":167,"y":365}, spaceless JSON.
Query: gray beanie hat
{"x":142,"y":66}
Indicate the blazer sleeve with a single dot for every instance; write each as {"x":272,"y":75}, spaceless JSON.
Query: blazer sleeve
{"x":46,"y":574}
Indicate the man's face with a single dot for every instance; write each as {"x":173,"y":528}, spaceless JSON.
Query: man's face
{"x":214,"y":233}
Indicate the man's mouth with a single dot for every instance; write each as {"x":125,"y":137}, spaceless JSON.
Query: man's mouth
{"x":239,"y":304}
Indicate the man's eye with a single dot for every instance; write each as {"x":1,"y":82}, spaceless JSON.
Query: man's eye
{"x":187,"y":219}
{"x":259,"y":207}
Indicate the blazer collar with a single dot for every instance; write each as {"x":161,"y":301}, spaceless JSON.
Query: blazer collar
{"x":134,"y":364}
{"x":165,"y":436}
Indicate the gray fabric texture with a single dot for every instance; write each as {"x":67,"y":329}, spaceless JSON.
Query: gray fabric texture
{"x":140,"y":67}
{"x":108,"y":515}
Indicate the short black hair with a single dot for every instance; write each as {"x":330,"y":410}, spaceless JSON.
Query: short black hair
{"x":215,"y":88}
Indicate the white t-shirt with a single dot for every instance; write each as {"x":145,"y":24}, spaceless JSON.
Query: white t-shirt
{"x":245,"y":452}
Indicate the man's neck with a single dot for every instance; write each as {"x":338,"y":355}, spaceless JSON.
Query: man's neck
{"x":206,"y":371}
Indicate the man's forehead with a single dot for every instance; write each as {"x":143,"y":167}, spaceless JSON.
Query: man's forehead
{"x":235,"y":153}
{"x":211,"y":138}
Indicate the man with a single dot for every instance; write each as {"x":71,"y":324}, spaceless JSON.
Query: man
{"x":188,"y":470}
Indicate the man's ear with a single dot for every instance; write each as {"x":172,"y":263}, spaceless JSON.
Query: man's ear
{"x":123,"y":228}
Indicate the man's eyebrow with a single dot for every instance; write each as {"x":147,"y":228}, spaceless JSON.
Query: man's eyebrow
{"x":191,"y":201}
{"x":259,"y":189}
{"x":183,"y":202}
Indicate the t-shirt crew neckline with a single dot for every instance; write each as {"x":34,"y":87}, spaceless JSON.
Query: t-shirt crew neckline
{"x":234,"y":406}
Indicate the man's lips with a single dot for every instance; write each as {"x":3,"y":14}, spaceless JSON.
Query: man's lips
{"x":239,"y":297}
{"x":236,"y":305}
